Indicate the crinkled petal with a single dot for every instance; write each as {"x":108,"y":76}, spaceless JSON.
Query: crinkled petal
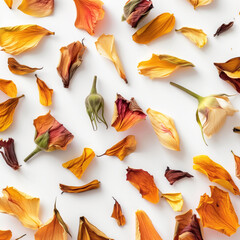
{"x":117,"y":214}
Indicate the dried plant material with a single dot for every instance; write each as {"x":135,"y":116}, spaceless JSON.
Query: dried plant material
{"x":175,"y":200}
{"x":54,"y":229}
{"x":199,"y":3}
{"x":22,"y":206}
{"x":161,"y":66}
{"x":5,"y":235}
{"x":72,"y":189}
{"x":45,"y":93}
{"x":122,"y":148}
{"x":159,"y":26}
{"x":217,"y":212}
{"x":19,"y":39}
{"x":175,"y":175}
{"x":106,"y":47}
{"x":135,"y":10}
{"x":89,"y":12}
{"x":7,"y":110}
{"x":223,"y":28}
{"x":71,"y":59}
{"x":8,"y":87}
{"x":50,"y":135}
{"x":188,"y":227}
{"x":79,"y":165}
{"x":144,"y":227}
{"x":37,"y":8}
{"x":19,"y":69}
{"x":126,"y":114}
{"x":237,"y":165}
{"x":215,"y":173}
{"x":165,"y":129}
{"x":9,"y":3}
{"x":9,"y":154}
{"x":236,"y":130}
{"x":197,"y":36}
{"x":87,"y":231}
{"x":144,"y":182}
{"x":117,"y":214}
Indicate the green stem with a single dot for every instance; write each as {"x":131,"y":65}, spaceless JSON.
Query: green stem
{"x":37,"y":149}
{"x":21,"y":237}
{"x":94,"y":88}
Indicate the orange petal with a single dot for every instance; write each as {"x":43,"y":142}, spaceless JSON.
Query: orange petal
{"x":215,"y":173}
{"x":8,"y":87}
{"x":217,"y":212}
{"x":22,"y":206}
{"x":78,"y":165}
{"x":18,"y":39}
{"x":199,"y":3}
{"x":89,"y":12}
{"x":5,"y":235}
{"x":159,"y":26}
{"x":19,"y":69}
{"x":144,"y":227}
{"x":144,"y":182}
{"x":45,"y":93}
{"x":7,"y":110}
{"x":117,"y":214}
{"x":9,"y":3}
{"x":37,"y":8}
{"x":237,"y":165}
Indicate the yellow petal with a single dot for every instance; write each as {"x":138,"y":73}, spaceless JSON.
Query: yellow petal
{"x":9,"y":3}
{"x":165,"y":129}
{"x":18,"y":39}
{"x":215,"y":173}
{"x":161,"y":66}
{"x":45,"y":93}
{"x":8,"y":87}
{"x":5,"y":235}
{"x":175,"y":200}
{"x":106,"y":47}
{"x":22,"y":206}
{"x":199,"y":3}
{"x":197,"y":36}
{"x":78,"y":165}
{"x":159,"y":26}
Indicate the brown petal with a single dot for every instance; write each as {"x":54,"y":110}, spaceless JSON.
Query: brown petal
{"x":237,"y":165}
{"x":45,"y":93}
{"x":223,"y":28}
{"x":117,"y":214}
{"x":175,"y":175}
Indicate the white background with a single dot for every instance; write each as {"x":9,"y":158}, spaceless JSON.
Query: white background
{"x":40,"y":176}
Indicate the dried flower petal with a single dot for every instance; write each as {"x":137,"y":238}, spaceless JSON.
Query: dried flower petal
{"x":175,"y":200}
{"x":161,"y":66}
{"x":18,"y":39}
{"x":126,"y":114}
{"x":106,"y":47}
{"x":117,"y":214}
{"x":217,"y":212}
{"x":8,"y":87}
{"x":215,"y":173}
{"x":144,"y":182}
{"x":144,"y":227}
{"x":5,"y":235}
{"x":237,"y":165}
{"x":78,"y":165}
{"x":9,"y":3}
{"x":199,"y":3}
{"x":37,"y":8}
{"x":7,"y":110}
{"x":87,"y":231}
{"x":22,"y":206}
{"x":20,"y":69}
{"x":175,"y":175}
{"x":71,"y":59}
{"x":45,"y":93}
{"x":89,"y":12}
{"x":122,"y":148}
{"x":159,"y":26}
{"x":223,"y":28}
{"x":196,"y":36}
{"x":72,"y":189}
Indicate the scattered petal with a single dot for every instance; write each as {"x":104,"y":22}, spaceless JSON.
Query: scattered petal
{"x":175,"y":200}
{"x":237,"y":165}
{"x":223,"y":28}
{"x":9,"y":3}
{"x":8,"y":87}
{"x":175,"y":175}
{"x":199,"y":3}
{"x":5,"y":235}
{"x":45,"y":93}
{"x":117,"y":214}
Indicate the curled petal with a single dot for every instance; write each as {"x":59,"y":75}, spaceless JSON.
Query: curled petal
{"x":237,"y":165}
{"x":175,"y":175}
{"x":175,"y":200}
{"x":9,"y":3}
{"x":106,"y":47}
{"x":45,"y":93}
{"x":199,"y":3}
{"x":215,"y":173}
{"x":117,"y":214}
{"x":18,"y":39}
{"x":5,"y":235}
{"x":8,"y":87}
{"x":159,"y":26}
{"x":223,"y":28}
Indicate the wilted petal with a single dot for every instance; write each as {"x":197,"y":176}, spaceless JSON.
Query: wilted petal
{"x":174,"y":175}
{"x":106,"y":47}
{"x":37,"y":8}
{"x":199,"y":3}
{"x":9,"y":3}
{"x":237,"y":165}
{"x":175,"y":200}
{"x":223,"y":28}
{"x":89,"y":12}
{"x":18,"y":39}
{"x":217,"y":212}
{"x":71,"y":59}
{"x":117,"y":214}
{"x":159,"y":26}
{"x":45,"y":93}
{"x":161,"y":66}
{"x":78,"y":165}
{"x":196,"y":36}
{"x":144,"y":182}
{"x":8,"y":87}
{"x":215,"y":173}
{"x":5,"y":235}
{"x":22,"y":206}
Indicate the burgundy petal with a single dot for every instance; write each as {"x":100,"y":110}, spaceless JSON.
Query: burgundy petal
{"x":175,"y":175}
{"x":235,"y":82}
{"x":223,"y":28}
